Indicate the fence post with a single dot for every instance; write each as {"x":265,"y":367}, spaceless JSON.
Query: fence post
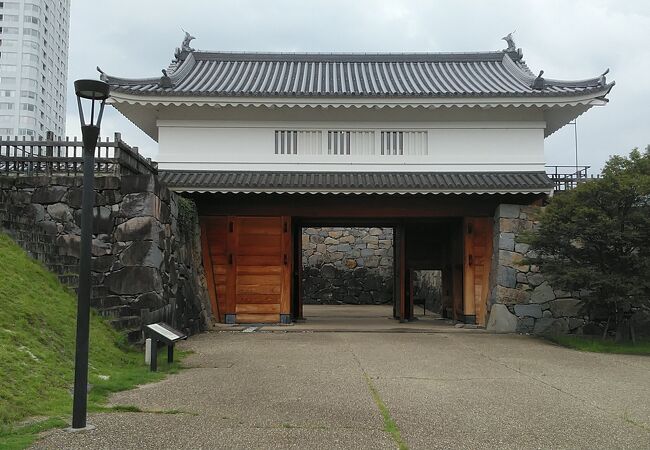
{"x":49,"y":152}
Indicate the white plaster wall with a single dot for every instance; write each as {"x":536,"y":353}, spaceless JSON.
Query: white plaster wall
{"x":452,"y":146}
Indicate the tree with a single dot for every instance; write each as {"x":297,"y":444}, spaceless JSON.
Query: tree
{"x":596,"y":239}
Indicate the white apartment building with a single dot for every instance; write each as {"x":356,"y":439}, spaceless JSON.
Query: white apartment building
{"x":33,"y":67}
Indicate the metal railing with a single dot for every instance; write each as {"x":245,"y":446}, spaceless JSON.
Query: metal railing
{"x":30,"y":157}
{"x":568,"y":177}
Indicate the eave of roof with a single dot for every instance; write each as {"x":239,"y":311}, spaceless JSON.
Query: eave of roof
{"x":390,"y":183}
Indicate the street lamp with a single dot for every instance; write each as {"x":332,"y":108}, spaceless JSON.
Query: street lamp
{"x":96,"y":92}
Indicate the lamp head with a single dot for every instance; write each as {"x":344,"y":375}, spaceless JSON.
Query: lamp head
{"x":91,"y":91}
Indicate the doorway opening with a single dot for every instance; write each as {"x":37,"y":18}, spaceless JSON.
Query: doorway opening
{"x":346,"y":272}
{"x":428,"y":298}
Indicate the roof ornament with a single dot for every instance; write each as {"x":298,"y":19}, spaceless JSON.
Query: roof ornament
{"x":512,"y":47}
{"x":182,"y":51}
{"x":603,"y":78}
{"x":165,"y":81}
{"x":104,"y":77}
{"x":539,"y":82}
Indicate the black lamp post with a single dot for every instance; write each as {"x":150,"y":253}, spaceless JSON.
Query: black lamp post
{"x":96,"y":92}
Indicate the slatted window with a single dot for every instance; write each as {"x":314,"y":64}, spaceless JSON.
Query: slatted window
{"x":351,"y":142}
{"x":338,"y":142}
{"x":286,"y":142}
{"x":409,"y":143}
{"x":294,"y":142}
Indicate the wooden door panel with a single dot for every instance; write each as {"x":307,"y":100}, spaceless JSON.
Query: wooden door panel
{"x":258,"y":308}
{"x":215,"y":260}
{"x":478,"y":255}
{"x":249,"y":266}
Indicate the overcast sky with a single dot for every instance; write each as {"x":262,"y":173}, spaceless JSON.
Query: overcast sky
{"x":567,"y":39}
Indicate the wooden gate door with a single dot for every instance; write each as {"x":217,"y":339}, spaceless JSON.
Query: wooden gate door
{"x":214,"y":245}
{"x":262,"y":261}
{"x":478,"y":258}
{"x":248,"y":264}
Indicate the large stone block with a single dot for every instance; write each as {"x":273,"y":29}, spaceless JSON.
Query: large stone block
{"x":74,"y":198}
{"x":510,"y":259}
{"x":134,"y":281}
{"x":525,"y":325}
{"x":142,"y":253}
{"x":507,"y":276}
{"x":69,"y":245}
{"x":535,"y":278}
{"x":60,"y":212}
{"x":534,"y":311}
{"x":139,"y":229}
{"x":501,"y":320}
{"x":140,"y":183}
{"x":550,"y":327}
{"x":509,"y":296}
{"x":566,"y":307}
{"x":141,"y":204}
{"x":107,"y":183}
{"x":508,"y":211}
{"x":507,"y":241}
{"x":49,"y":194}
{"x":542,"y":293}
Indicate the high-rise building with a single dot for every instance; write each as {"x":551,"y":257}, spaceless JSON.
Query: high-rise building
{"x":33,"y":66}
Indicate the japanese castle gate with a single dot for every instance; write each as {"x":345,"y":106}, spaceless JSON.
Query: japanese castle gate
{"x":427,"y":143}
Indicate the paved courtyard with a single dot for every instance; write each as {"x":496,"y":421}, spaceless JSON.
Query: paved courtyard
{"x":325,"y":386}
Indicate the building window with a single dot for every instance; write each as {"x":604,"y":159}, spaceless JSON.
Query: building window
{"x":9,"y":17}
{"x":7,"y":93}
{"x":27,"y":107}
{"x":286,"y":142}
{"x":28,"y":94}
{"x":8,"y":43}
{"x":410,"y":143}
{"x":6,"y":131}
{"x":9,"y":30}
{"x":7,"y":80}
{"x":26,"y":132}
{"x":6,"y":106}
{"x":24,"y":120}
{"x":350,"y":142}
{"x":294,"y":142}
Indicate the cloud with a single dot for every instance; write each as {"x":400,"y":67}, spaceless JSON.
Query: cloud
{"x":569,"y":40}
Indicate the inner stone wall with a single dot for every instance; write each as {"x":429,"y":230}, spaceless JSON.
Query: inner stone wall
{"x":347,"y":265}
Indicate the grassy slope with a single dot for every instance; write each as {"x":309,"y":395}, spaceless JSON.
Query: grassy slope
{"x":37,"y":335}
{"x":589,"y":344}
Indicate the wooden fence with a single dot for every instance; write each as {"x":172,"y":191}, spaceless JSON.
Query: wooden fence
{"x":24,"y":157}
{"x":568,"y":177}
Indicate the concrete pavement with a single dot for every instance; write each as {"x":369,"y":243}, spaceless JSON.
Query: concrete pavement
{"x":443,"y":387}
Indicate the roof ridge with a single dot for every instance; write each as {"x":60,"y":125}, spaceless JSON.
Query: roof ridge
{"x":348,"y":56}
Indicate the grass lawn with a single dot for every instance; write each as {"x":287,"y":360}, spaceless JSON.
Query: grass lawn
{"x":37,"y":344}
{"x":596,"y":344}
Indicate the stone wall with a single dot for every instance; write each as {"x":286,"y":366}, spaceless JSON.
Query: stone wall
{"x":146,"y":264}
{"x":347,"y":265}
{"x":520,"y":299}
{"x":427,"y":285}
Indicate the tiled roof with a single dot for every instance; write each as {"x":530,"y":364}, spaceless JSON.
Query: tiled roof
{"x":358,"y":182}
{"x":424,"y":75}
